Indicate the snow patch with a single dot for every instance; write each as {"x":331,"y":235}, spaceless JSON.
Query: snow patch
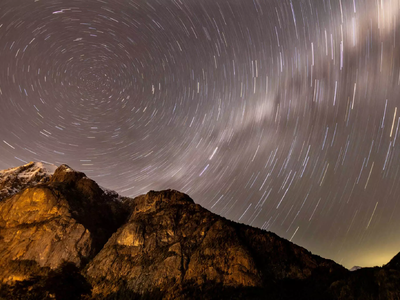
{"x":46,"y":167}
{"x":14,"y":180}
{"x":111,"y":193}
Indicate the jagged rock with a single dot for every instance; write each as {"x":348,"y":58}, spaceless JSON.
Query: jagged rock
{"x":173,"y":246}
{"x":66,"y":219}
{"x":64,"y":237}
{"x":394,"y":263}
{"x":14,"y":180}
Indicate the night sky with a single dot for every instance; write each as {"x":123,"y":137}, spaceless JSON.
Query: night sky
{"x":281,"y":114}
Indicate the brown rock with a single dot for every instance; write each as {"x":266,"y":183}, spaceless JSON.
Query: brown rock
{"x":14,"y":180}
{"x":174,"y":247}
{"x":64,"y":237}
{"x":52,"y":223}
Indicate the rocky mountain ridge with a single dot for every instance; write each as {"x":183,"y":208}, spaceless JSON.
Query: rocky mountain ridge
{"x":15,"y":179}
{"x":64,"y":237}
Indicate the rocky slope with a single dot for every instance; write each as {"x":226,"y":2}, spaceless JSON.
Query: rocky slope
{"x":14,"y":180}
{"x":172,"y":247}
{"x":64,"y":237}
{"x":64,"y":218}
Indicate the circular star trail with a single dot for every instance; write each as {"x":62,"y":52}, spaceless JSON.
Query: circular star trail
{"x":278,"y":114}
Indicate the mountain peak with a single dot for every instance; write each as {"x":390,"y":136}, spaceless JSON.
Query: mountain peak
{"x":167,"y":196}
{"x":15,"y":179}
{"x":155,"y":200}
{"x":30,"y":168}
{"x":64,"y":217}
{"x":66,"y":174}
{"x":62,"y":232}
{"x":65,"y":168}
{"x":394,"y":263}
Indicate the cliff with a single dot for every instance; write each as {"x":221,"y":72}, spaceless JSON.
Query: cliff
{"x":64,"y":237}
{"x":65,"y":218}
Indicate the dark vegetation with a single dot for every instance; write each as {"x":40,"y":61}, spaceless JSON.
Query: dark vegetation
{"x":65,"y":283}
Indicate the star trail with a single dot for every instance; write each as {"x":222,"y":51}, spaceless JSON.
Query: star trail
{"x":278,"y":114}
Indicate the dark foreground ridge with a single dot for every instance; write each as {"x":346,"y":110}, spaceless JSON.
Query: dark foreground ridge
{"x":64,"y":237}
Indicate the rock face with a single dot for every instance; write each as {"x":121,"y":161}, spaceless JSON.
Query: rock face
{"x":355,"y":268}
{"x":64,"y":237}
{"x":14,"y":180}
{"x":177,"y":248}
{"x":67,"y":218}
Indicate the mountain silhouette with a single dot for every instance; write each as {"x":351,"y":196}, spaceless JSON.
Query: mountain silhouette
{"x":62,"y":236}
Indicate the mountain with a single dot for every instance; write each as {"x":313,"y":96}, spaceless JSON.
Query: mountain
{"x":64,"y":217}
{"x":64,"y":237}
{"x":15,"y":179}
